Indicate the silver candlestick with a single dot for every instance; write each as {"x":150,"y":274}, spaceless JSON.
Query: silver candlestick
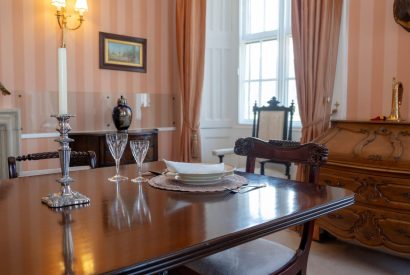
{"x":66,"y":196}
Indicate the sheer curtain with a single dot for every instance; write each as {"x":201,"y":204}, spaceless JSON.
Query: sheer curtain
{"x":190,"y":37}
{"x":315,"y":32}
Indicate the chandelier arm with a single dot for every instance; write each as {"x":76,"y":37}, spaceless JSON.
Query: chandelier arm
{"x":77,"y":27}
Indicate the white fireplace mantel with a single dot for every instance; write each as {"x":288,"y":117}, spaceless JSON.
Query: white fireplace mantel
{"x":10,"y":130}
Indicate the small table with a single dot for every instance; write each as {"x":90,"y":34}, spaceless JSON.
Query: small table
{"x":136,"y":228}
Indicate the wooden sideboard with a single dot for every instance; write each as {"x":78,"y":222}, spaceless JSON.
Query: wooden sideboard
{"x":95,"y":141}
{"x":373,"y":160}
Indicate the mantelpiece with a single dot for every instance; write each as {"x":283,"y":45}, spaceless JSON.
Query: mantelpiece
{"x":373,"y":160}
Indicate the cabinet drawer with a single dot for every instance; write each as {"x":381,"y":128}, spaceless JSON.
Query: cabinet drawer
{"x":375,"y":189}
{"x":370,"y":227}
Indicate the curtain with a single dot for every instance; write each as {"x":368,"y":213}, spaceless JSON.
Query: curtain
{"x":315,"y":32}
{"x":190,"y":38}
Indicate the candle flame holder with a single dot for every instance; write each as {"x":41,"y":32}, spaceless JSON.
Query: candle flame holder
{"x":66,"y":196}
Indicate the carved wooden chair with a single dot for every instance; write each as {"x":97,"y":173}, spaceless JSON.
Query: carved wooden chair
{"x":262,"y":256}
{"x":77,"y":159}
{"x":269,"y":122}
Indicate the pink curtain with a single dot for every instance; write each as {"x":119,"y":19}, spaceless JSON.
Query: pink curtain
{"x":190,"y":36}
{"x":315,"y":32}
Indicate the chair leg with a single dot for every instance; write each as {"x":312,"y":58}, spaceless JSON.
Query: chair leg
{"x":262,"y":168}
{"x":287,"y":173}
{"x":299,"y":263}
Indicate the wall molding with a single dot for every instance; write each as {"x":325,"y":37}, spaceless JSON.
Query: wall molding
{"x":55,"y":134}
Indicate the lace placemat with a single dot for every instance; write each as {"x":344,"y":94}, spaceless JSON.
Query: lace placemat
{"x":231,"y":182}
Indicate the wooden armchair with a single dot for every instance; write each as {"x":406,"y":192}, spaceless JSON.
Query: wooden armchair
{"x":262,"y":256}
{"x":272,"y":121}
{"x":77,"y":159}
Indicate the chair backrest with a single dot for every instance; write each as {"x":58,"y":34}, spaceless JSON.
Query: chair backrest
{"x":273,"y":121}
{"x":76,"y":159}
{"x":311,"y":155}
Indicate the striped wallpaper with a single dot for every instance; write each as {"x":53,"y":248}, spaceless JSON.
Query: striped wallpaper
{"x":29,"y":38}
{"x":379,"y":49}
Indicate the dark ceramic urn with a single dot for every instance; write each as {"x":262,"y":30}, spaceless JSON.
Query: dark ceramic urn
{"x":122,"y":115}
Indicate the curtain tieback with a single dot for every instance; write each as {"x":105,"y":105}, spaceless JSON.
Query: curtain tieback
{"x":194,"y":144}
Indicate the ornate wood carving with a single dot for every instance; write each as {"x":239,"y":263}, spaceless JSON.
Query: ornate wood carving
{"x":372,"y":159}
{"x":309,"y":153}
{"x":368,"y":226}
{"x":369,"y":189}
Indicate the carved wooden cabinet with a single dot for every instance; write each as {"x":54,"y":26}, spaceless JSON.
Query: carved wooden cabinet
{"x":373,"y":160}
{"x":95,"y":141}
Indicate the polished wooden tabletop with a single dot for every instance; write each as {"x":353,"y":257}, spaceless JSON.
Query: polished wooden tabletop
{"x":138,"y":228}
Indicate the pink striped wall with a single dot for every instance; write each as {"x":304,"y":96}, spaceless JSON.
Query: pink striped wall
{"x":378,"y":51}
{"x":29,"y":38}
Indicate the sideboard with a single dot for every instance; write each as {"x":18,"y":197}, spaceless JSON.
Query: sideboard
{"x":95,"y":141}
{"x":373,"y":160}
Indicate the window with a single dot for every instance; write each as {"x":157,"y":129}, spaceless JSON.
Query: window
{"x":266,"y":56}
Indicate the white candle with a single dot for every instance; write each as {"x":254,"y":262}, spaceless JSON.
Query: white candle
{"x":62,"y":81}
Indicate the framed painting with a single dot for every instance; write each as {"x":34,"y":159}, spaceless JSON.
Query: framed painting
{"x":401,"y":13}
{"x":125,"y":53}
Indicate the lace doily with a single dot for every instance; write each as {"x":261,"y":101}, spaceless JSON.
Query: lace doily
{"x":231,"y":182}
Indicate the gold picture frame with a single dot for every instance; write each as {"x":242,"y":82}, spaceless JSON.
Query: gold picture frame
{"x":125,"y":53}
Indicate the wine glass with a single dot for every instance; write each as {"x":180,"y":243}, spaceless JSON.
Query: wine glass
{"x":139,"y":149}
{"x":116,"y":143}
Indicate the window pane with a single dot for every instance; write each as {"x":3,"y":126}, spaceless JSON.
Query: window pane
{"x":292,"y":96}
{"x":271,"y":15}
{"x":291,"y":58}
{"x":246,"y":100}
{"x":256,"y":16}
{"x":268,"y":90}
{"x":251,"y":96}
{"x":254,"y":59}
{"x":246,"y":62}
{"x":269,"y":59}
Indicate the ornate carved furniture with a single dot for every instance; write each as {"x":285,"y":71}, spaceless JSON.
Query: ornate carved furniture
{"x":373,"y":160}
{"x":96,"y":141}
{"x":269,"y":122}
{"x":262,"y":256}
{"x":76,"y":159}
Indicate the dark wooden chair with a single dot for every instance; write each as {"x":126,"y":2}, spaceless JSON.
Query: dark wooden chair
{"x":272,"y":121}
{"x":262,"y":256}
{"x":77,"y":159}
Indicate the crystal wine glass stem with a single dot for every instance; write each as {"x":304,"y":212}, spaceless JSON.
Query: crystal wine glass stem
{"x":139,"y":170}
{"x":117,"y":166}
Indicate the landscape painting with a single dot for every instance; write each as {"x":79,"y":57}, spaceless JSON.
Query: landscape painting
{"x":119,"y":52}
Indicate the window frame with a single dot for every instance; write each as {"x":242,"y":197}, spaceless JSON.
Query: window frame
{"x":282,"y":35}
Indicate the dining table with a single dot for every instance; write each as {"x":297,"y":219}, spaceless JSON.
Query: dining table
{"x":137,"y":228}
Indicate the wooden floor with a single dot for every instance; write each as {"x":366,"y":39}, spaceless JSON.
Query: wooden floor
{"x":340,"y":258}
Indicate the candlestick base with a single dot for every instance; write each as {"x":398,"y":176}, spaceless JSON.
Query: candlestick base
{"x":59,"y":200}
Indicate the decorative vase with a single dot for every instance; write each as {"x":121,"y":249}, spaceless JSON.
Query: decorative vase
{"x":122,"y":115}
